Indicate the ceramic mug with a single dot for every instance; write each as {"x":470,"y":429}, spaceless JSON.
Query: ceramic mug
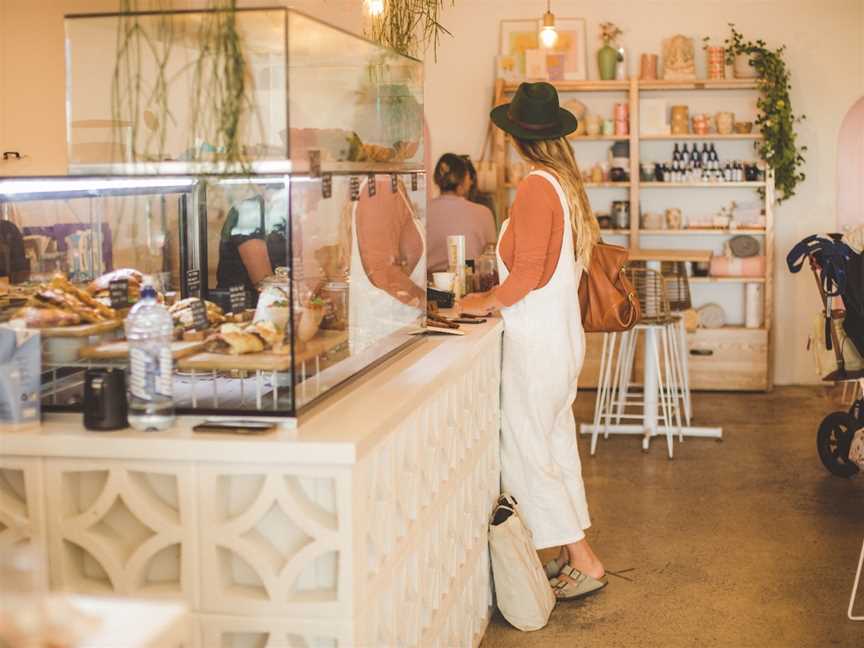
{"x":593,"y":124}
{"x":725,"y":122}
{"x":608,"y":127}
{"x":444,"y":280}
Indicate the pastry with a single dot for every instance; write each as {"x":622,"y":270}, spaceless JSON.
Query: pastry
{"x":236,"y":340}
{"x":46,"y":317}
{"x":102,"y":283}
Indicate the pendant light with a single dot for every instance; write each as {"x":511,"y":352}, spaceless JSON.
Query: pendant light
{"x":548,"y":34}
{"x":375,"y":7}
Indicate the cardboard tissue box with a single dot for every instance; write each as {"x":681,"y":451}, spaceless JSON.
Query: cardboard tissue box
{"x":20,"y":367}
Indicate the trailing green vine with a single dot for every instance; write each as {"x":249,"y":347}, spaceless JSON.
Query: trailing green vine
{"x":778,"y":147}
{"x":220,"y":100}
{"x":409,"y":26}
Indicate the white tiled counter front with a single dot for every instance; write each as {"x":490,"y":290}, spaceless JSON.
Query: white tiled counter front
{"x":365,"y":526}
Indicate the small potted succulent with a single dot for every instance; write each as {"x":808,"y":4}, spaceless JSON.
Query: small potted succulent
{"x":607,"y":56}
{"x":311,"y":314}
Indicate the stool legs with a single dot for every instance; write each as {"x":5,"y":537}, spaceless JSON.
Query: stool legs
{"x":613,"y":387}
{"x":855,"y":588}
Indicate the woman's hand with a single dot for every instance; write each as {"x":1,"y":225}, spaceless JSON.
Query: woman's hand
{"x":478,"y":303}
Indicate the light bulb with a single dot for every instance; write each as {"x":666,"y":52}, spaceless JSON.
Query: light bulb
{"x":548,"y":35}
{"x":375,"y":7}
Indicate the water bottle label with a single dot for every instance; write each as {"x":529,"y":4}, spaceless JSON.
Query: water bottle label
{"x":151,"y":374}
{"x":140,"y":379}
{"x":165,"y":384}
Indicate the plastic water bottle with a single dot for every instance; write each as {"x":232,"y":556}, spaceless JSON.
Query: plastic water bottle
{"x":149,"y":330}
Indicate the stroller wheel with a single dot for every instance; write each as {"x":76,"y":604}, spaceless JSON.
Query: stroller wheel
{"x":833,"y":441}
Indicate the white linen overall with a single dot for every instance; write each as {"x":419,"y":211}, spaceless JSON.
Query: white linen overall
{"x":374,"y":313}
{"x":544,"y":347}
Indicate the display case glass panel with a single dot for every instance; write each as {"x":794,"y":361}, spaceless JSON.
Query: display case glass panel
{"x":248,"y":90}
{"x":303,"y":282}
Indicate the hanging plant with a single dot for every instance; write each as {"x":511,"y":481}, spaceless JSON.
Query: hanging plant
{"x":776,"y":120}
{"x":407,"y":26}
{"x":220,"y":100}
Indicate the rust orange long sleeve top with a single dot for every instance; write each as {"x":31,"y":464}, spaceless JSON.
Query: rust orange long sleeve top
{"x":389,"y":242}
{"x":532,"y":243}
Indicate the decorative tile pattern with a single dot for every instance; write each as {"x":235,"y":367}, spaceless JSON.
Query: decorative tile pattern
{"x":121,"y":527}
{"x":270,"y":540}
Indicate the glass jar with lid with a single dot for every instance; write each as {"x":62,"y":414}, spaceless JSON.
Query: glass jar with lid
{"x":487,"y":269}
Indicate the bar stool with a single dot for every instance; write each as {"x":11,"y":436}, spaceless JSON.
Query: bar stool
{"x":678,"y":291}
{"x":677,"y":287}
{"x":616,"y":397}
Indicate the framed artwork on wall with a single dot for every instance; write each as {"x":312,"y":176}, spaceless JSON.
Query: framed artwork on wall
{"x":517,"y":37}
{"x":572,"y":44}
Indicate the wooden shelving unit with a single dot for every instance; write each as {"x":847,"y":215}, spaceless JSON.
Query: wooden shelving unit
{"x":747,"y":350}
{"x":699,"y":185}
{"x":711,"y":137}
{"x":702,"y":232}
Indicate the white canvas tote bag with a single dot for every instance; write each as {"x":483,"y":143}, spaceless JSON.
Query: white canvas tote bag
{"x":521,"y":587}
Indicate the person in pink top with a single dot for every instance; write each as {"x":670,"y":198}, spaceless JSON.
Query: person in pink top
{"x":452,"y":214}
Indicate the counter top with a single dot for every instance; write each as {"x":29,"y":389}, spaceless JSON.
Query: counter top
{"x":339,"y":430}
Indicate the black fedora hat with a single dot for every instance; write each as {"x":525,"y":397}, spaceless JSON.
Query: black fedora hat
{"x":534,"y":114}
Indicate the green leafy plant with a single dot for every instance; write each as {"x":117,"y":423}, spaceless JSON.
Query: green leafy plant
{"x":778,"y":148}
{"x":409,"y":26}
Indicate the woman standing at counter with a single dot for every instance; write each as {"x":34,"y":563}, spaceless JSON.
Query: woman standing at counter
{"x":542,"y":252}
{"x":452,"y":214}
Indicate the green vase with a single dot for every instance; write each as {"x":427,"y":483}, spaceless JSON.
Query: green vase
{"x":607,"y":57}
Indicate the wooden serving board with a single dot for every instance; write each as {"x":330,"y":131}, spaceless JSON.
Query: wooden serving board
{"x":120,"y":349}
{"x":264,"y":361}
{"x":323,"y":342}
{"x":81,"y":330}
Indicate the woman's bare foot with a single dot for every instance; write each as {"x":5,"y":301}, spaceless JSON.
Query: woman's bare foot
{"x":582,"y":557}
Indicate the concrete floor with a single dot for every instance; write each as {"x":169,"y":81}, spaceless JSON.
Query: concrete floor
{"x":747,"y":542}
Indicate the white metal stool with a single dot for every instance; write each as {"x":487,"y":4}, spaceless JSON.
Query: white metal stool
{"x":855,"y":588}
{"x":615,"y":395}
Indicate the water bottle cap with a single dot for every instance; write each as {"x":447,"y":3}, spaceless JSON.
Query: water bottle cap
{"x":148,"y":292}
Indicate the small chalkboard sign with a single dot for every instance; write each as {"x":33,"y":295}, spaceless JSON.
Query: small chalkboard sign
{"x":394,"y":182}
{"x":199,"y":315}
{"x":193,"y":282}
{"x":370,"y":181}
{"x":355,"y":188}
{"x":118,"y":291}
{"x":415,"y":181}
{"x":315,"y":163}
{"x":327,"y":185}
{"x":237,"y":298}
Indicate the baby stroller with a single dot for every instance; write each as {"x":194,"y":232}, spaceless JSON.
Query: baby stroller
{"x":839,"y":340}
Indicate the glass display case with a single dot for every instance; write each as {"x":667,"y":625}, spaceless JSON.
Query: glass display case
{"x":288,"y":269}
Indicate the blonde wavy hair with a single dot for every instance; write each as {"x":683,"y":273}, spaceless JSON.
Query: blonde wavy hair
{"x":556,"y":156}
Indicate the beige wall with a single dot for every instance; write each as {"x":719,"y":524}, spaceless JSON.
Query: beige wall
{"x":825,"y":54}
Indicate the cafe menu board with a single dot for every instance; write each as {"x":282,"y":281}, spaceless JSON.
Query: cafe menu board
{"x":199,"y":315}
{"x":237,"y":298}
{"x":118,"y":291}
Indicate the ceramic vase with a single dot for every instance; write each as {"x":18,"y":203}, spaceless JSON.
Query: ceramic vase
{"x":607,"y":58}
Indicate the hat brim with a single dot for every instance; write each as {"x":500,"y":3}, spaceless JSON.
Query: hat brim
{"x":567,"y":123}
